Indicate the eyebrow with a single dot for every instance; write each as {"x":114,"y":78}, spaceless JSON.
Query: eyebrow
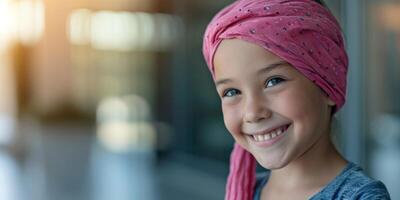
{"x":264,"y":70}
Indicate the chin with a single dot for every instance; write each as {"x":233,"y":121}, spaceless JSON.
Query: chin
{"x":270,"y":164}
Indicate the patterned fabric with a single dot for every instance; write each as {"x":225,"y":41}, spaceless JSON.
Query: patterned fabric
{"x":350,"y":184}
{"x":302,"y":32}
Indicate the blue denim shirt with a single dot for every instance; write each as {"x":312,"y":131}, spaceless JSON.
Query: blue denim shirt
{"x":350,"y":184}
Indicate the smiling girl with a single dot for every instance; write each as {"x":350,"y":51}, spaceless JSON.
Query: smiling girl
{"x":280,"y":70}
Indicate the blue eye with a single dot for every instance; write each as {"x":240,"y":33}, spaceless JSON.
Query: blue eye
{"x":274,"y":81}
{"x":231,"y":92}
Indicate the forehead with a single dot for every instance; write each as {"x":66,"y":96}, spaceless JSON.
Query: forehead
{"x":239,"y":55}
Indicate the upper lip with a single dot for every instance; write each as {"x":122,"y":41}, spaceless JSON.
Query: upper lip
{"x":265,"y":131}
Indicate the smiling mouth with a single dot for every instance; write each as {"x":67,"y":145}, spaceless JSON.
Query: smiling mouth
{"x":266,"y":136}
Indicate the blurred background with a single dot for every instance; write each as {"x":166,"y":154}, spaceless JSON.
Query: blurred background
{"x":112,"y":99}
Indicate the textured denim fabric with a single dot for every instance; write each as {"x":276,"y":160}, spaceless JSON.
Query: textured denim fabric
{"x":350,"y":184}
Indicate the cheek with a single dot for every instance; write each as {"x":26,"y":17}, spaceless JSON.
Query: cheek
{"x":291,"y":104}
{"x":300,"y":103}
{"x":231,"y":119}
{"x":301,"y":107}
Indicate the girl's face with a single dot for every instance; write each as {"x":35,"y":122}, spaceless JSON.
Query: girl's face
{"x":270,"y":108}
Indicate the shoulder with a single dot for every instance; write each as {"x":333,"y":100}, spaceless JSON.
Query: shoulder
{"x":353,"y":183}
{"x":371,"y":191}
{"x":358,"y":185}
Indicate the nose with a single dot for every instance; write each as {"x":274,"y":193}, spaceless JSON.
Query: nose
{"x":256,"y":109}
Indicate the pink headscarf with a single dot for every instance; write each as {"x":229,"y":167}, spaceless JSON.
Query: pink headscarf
{"x":303,"y":33}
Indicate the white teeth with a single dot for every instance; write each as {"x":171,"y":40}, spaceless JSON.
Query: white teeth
{"x":260,"y":138}
{"x":268,"y":136}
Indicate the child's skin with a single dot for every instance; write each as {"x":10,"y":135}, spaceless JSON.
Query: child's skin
{"x":258,"y":94}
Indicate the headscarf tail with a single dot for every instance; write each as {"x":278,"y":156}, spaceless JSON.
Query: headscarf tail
{"x":241,"y":175}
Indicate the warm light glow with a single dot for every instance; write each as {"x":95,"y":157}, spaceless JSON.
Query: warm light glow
{"x":390,"y":16}
{"x":127,"y":136}
{"x":114,"y":31}
{"x":7,"y":21}
{"x":30,"y":17}
{"x":123,"y":31}
{"x":123,"y":124}
{"x":79,"y":27}
{"x":22,"y":20}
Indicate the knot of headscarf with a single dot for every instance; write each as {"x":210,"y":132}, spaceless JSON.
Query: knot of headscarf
{"x":301,"y":32}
